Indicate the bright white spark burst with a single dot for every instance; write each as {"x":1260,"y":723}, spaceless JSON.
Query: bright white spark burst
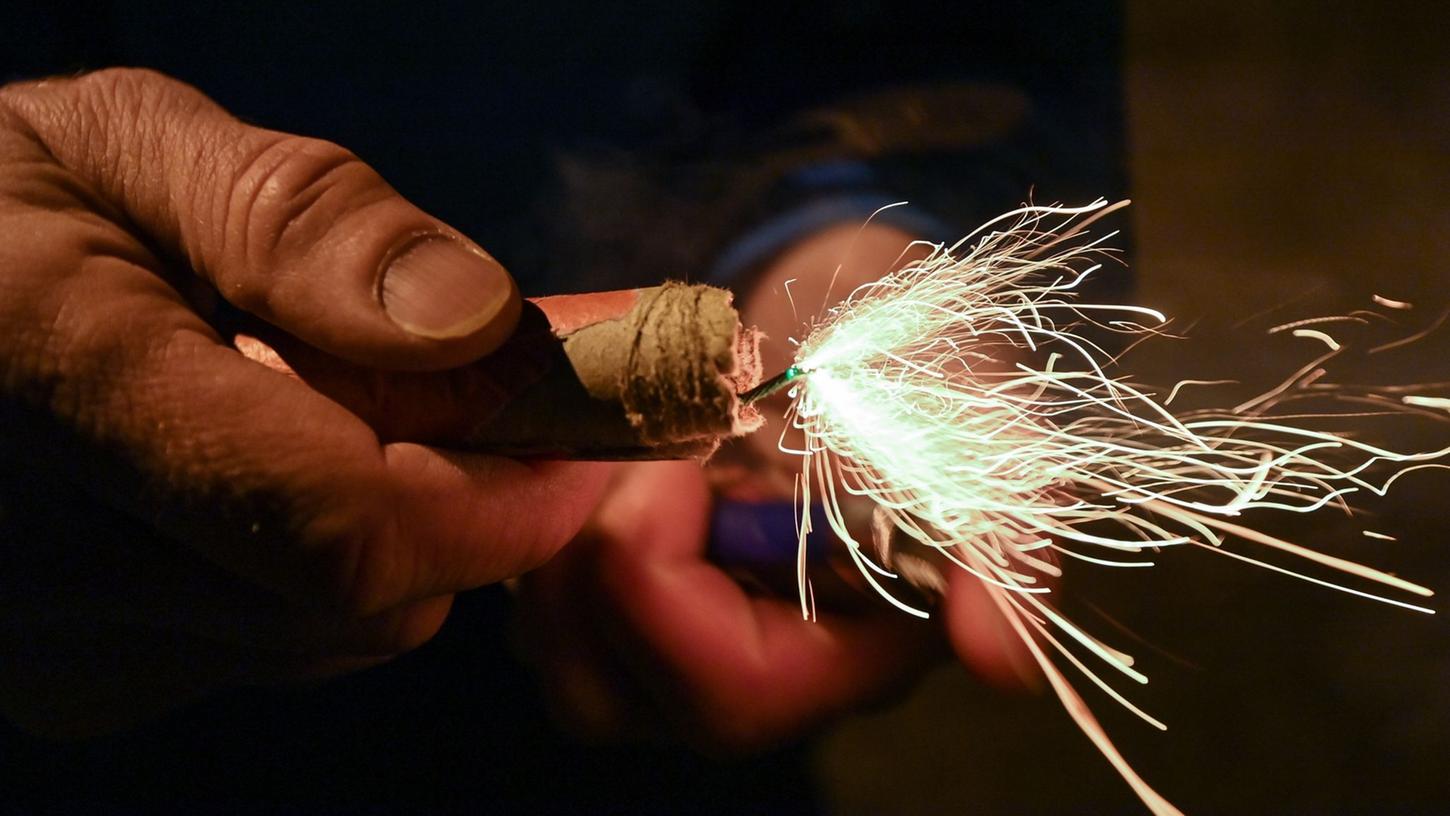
{"x":963,"y":397}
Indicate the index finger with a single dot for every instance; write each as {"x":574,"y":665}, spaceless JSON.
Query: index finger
{"x":145,"y":406}
{"x":754,"y":668}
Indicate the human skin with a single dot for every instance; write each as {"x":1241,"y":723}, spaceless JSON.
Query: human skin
{"x":179,"y":519}
{"x":819,"y":272}
{"x":636,"y":634}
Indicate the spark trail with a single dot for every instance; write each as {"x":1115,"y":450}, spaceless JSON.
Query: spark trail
{"x":966,"y":397}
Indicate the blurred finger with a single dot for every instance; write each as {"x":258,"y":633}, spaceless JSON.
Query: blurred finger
{"x":751,"y":668}
{"x":983,"y":640}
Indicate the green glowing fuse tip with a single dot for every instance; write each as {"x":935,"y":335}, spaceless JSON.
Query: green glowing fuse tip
{"x":771,"y":385}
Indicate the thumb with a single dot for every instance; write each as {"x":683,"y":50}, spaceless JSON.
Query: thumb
{"x":296,"y":231}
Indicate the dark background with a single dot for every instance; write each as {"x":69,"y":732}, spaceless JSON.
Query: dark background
{"x":1289,"y":155}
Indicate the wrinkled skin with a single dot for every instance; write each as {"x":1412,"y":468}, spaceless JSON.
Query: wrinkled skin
{"x":177,"y":519}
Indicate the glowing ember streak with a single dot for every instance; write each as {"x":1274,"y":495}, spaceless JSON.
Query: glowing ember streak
{"x":963,"y":397}
{"x":1427,"y":402}
{"x":1392,"y":304}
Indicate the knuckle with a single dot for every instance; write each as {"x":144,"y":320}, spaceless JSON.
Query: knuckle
{"x":94,"y":367}
{"x":110,"y":125}
{"x":76,"y":106}
{"x":124,"y":80}
{"x":107,"y":82}
{"x":64,"y":115}
{"x":128,"y":89}
{"x":287,"y":193}
{"x":12,"y":96}
{"x":137,"y":96}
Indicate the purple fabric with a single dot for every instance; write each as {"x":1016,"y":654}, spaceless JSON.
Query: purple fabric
{"x":750,"y":534}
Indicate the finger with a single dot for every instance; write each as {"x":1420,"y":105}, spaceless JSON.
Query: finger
{"x":550,"y":389}
{"x":253,"y":468}
{"x":441,"y":407}
{"x":124,"y":382}
{"x":296,"y":231}
{"x":754,"y":671}
{"x":983,"y":640}
{"x":752,"y":668}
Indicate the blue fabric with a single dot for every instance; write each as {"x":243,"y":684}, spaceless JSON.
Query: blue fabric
{"x":471,"y":110}
{"x":769,"y":238}
{"x":763,"y":534}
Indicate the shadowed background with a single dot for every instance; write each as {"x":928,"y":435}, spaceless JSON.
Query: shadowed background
{"x":1290,"y":156}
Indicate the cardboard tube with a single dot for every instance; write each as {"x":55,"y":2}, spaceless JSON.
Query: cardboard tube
{"x":649,"y":373}
{"x":646,"y":373}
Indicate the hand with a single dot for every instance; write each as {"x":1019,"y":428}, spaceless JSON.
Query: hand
{"x":176,"y":517}
{"x":634,"y":632}
{"x":817,"y":273}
